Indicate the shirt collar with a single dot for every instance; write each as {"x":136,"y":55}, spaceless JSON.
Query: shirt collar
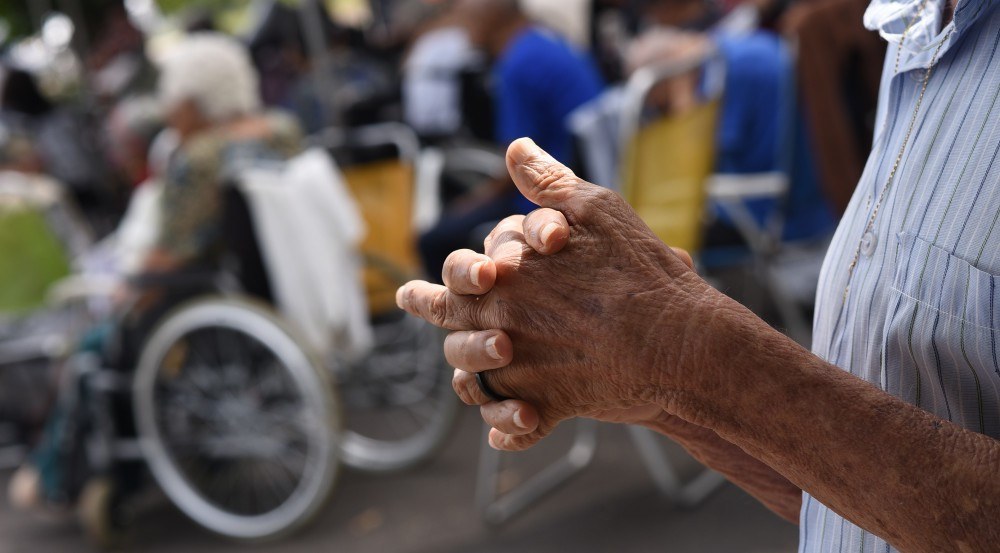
{"x":892,"y":18}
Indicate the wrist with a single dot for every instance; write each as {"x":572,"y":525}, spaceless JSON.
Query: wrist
{"x":720,"y":361}
{"x":681,"y":352}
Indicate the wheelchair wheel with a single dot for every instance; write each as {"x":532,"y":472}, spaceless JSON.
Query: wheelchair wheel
{"x":237,"y":422}
{"x":399,"y":403}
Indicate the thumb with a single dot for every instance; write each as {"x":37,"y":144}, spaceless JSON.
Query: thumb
{"x":542,"y":179}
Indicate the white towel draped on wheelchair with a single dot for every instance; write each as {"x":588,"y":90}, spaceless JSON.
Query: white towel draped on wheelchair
{"x":309,"y":228}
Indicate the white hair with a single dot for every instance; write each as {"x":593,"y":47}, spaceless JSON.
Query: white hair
{"x":214,"y":71}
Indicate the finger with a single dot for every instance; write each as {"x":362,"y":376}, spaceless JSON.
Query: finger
{"x":511,"y":228}
{"x":512,"y":417}
{"x":545,"y":181}
{"x":546,"y":230}
{"x":508,"y":442}
{"x":467,"y":389}
{"x":469,"y":273}
{"x":477,"y":351}
{"x":685,"y":257}
{"x":440,"y":306}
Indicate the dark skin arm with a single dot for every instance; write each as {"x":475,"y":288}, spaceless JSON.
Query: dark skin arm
{"x":749,"y":473}
{"x":617,"y":321}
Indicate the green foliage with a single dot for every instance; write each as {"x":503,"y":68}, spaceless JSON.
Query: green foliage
{"x":16,"y":15}
{"x":174,"y":6}
{"x":31,"y":260}
{"x":22,"y":20}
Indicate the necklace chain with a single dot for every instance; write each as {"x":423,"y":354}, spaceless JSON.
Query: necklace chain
{"x":899,"y":157}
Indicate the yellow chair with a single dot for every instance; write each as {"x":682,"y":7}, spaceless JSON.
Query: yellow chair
{"x":668,"y":160}
{"x":385,"y":192}
{"x":666,"y":166}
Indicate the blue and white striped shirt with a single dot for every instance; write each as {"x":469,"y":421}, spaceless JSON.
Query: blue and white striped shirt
{"x":923,"y":313}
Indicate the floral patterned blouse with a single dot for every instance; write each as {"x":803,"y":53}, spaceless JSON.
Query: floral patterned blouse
{"x":191,"y":203}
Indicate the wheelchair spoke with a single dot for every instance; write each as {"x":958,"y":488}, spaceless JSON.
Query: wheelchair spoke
{"x":235,"y":422}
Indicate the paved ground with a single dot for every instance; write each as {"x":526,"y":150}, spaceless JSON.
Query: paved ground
{"x":610,"y":507}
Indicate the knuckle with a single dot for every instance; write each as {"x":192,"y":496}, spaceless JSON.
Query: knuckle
{"x":551,"y":176}
{"x":467,"y":389}
{"x":438,"y":309}
{"x":489,"y":416}
{"x":606,"y":196}
{"x":602,"y":203}
{"x":536,"y":220}
{"x":453,"y":350}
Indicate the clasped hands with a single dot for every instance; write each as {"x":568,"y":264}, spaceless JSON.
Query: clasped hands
{"x":575,"y":310}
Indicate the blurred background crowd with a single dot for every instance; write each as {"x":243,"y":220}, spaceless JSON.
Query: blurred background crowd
{"x":277,"y":167}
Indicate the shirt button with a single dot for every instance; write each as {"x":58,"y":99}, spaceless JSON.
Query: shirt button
{"x":868,"y":243}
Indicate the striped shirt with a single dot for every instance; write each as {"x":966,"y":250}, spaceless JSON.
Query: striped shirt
{"x":922,"y":315}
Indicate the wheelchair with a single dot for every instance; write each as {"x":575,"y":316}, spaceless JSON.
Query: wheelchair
{"x":240,"y":424}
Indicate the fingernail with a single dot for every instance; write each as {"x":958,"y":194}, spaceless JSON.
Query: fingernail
{"x":547,"y":231}
{"x":399,"y":297}
{"x":474,"y":272}
{"x":518,"y":422}
{"x":491,"y":348}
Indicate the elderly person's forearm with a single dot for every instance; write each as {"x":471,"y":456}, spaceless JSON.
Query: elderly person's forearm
{"x":920,"y":482}
{"x":756,"y":478}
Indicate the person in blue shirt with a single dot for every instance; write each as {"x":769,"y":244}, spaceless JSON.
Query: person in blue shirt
{"x":539,"y":79}
{"x":753,"y":128}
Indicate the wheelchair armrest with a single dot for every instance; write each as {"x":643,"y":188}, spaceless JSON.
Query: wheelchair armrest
{"x":82,"y":287}
{"x":180,"y":279}
{"x":747,"y":187}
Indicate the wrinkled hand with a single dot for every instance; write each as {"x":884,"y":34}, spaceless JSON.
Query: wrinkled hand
{"x":592,"y":326}
{"x":516,"y":417}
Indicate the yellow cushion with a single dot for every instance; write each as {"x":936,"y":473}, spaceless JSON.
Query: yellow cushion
{"x":666,"y":166}
{"x":384,"y":192}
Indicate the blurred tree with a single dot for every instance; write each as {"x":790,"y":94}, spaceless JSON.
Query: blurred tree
{"x":23,"y":15}
{"x":174,"y":6}
{"x":17,"y":17}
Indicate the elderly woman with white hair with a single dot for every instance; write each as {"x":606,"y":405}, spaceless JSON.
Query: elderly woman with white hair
{"x":209,"y":92}
{"x":211,"y":95}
